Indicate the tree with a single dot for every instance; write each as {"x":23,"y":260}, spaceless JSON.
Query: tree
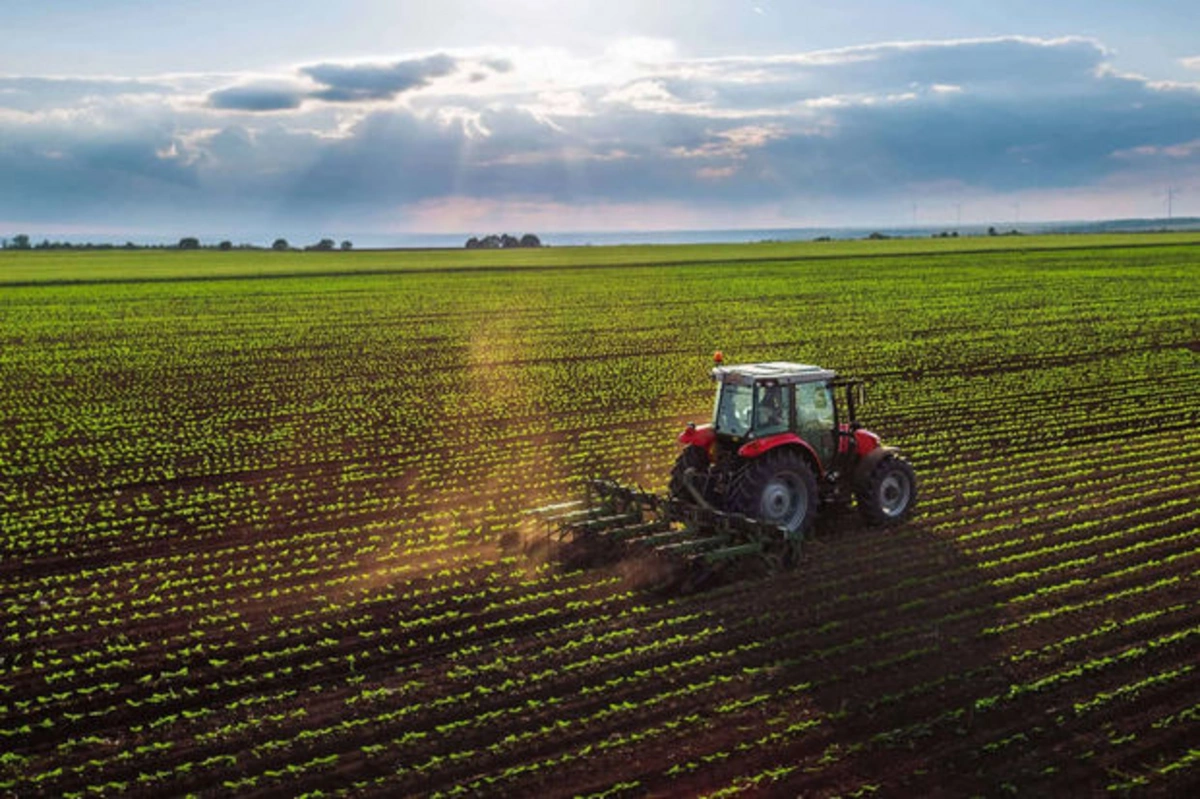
{"x":323,"y":245}
{"x":280,"y":245}
{"x":225,"y":245}
{"x":189,"y":243}
{"x":20,"y":242}
{"x":347,"y":244}
{"x":504,"y":240}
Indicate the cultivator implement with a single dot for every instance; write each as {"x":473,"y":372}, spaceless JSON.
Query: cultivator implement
{"x":677,"y":545}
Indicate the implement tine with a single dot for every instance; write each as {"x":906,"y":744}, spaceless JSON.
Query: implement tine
{"x":694,"y":540}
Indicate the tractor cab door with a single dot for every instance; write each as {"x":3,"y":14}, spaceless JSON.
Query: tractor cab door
{"x":772,"y":409}
{"x":815,"y":419}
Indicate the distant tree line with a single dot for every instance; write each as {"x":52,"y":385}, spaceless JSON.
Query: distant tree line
{"x":503,"y":241}
{"x":22,"y":242}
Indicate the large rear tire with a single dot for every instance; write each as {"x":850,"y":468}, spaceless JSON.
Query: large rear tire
{"x":696,"y":459}
{"x":888,"y":494}
{"x":778,"y":488}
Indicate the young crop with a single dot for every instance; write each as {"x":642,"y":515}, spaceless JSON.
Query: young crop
{"x":256,"y":532}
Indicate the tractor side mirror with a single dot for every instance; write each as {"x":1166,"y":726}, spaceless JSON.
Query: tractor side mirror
{"x":856,"y":395}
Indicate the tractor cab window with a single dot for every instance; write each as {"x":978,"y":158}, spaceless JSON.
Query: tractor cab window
{"x":734,"y":409}
{"x":814,"y":417}
{"x":772,"y":410}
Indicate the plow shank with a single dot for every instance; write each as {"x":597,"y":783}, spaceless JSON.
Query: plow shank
{"x":689,"y":543}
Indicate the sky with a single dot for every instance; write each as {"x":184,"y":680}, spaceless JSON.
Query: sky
{"x":153,"y":119}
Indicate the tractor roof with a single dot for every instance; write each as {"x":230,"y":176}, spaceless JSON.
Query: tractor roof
{"x":778,"y":372}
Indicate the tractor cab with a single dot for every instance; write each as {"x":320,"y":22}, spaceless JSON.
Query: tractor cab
{"x":762,"y":400}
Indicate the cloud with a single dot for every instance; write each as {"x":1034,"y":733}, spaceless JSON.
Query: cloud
{"x":257,"y":98}
{"x":999,"y":68}
{"x":359,"y":82}
{"x":863,"y":127}
{"x":642,"y":50}
{"x":497,"y":64}
{"x":35,"y":94}
{"x":1179,"y":151}
{"x":1191,"y":62}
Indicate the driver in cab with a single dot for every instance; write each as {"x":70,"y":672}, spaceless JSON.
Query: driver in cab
{"x":770,"y":409}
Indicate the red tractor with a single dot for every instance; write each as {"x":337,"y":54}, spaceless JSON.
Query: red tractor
{"x":784,"y":438}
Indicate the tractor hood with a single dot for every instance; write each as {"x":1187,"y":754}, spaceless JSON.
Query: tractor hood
{"x":700,"y":436}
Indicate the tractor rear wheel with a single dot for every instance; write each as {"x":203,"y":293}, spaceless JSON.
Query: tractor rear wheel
{"x":696,"y":459}
{"x":778,"y":488}
{"x":886,"y":496}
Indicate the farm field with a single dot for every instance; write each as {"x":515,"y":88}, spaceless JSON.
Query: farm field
{"x":252,"y":505}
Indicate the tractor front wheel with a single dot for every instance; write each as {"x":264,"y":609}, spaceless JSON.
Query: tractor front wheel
{"x":695,"y":460}
{"x":887,"y":495}
{"x":778,"y":488}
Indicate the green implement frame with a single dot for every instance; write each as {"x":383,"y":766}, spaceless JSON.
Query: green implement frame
{"x":694,"y":546}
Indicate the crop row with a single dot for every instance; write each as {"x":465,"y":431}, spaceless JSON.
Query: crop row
{"x":250,"y":534}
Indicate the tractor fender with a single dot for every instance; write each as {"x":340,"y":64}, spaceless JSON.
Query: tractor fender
{"x":869,"y":461}
{"x":761,"y":446}
{"x":865,"y":441}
